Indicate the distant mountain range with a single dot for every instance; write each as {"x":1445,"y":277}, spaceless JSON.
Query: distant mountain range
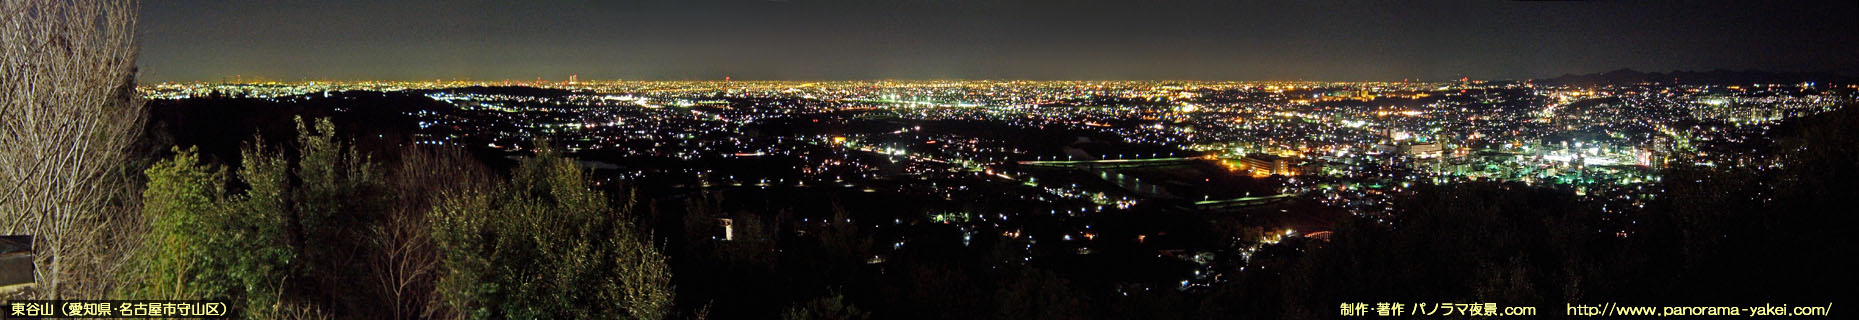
{"x":1719,"y":76}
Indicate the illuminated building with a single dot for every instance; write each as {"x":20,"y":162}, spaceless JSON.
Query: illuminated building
{"x":1267,"y":164}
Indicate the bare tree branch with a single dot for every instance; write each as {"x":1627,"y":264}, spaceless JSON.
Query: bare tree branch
{"x":68,"y":114}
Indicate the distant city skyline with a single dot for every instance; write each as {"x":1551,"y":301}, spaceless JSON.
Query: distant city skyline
{"x":909,"y":40}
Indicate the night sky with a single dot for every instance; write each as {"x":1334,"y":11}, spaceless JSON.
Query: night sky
{"x":977,"y":39}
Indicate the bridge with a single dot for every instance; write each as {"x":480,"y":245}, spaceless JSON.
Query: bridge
{"x":1237,"y":203}
{"x":1110,"y":163}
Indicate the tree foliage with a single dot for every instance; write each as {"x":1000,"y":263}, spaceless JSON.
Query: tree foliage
{"x":545,"y":245}
{"x":830,"y":307}
{"x":203,"y":244}
{"x":266,"y":244}
{"x":182,"y":198}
